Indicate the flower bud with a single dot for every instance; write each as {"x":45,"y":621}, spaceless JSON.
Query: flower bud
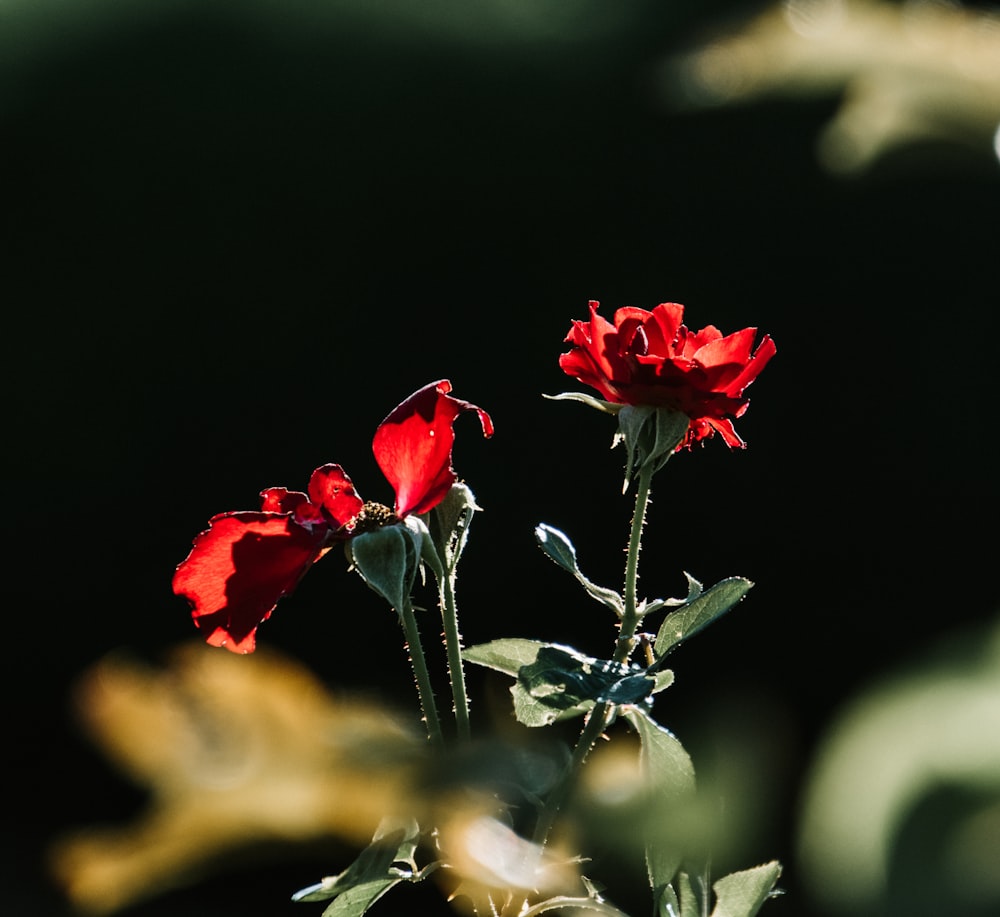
{"x":387,"y":559}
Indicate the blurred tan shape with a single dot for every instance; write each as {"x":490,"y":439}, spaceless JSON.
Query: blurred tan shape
{"x":921,"y":70}
{"x":235,"y":751}
{"x":495,"y":865}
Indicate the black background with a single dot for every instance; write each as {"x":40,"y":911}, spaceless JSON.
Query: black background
{"x":234,"y":241}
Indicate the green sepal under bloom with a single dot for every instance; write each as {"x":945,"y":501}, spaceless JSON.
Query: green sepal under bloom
{"x":605,"y":407}
{"x":388,"y":559}
{"x":651,"y":435}
{"x":448,"y":524}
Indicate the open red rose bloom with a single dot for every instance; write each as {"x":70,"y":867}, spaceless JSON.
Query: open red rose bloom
{"x":651,"y":358}
{"x":245,"y":562}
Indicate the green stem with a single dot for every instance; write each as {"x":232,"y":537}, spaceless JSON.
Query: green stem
{"x":453,"y":644}
{"x":419,"y":663}
{"x":600,"y":716}
{"x":630,"y":615}
{"x":596,"y":723}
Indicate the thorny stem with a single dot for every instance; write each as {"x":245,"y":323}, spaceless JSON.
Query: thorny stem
{"x":596,"y":723}
{"x":453,"y":644}
{"x":630,"y":615}
{"x":600,"y":716}
{"x":422,"y":676}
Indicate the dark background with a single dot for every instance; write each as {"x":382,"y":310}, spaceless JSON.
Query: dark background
{"x":233,"y":241}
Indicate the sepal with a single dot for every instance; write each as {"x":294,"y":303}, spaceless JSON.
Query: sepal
{"x":388,"y":559}
{"x":605,"y":407}
{"x":449,"y":522}
{"x":650,"y":435}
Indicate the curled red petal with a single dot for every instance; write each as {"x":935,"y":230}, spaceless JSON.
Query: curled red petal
{"x":765,"y":350}
{"x":331,"y":488}
{"x":282,"y":500}
{"x":239,"y":568}
{"x":413,"y":446}
{"x":597,"y":357}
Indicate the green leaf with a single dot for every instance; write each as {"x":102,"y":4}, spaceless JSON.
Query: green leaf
{"x":569,"y":683}
{"x":694,"y":590}
{"x":742,"y":894}
{"x":506,"y":655}
{"x":669,"y":784}
{"x":557,"y":682}
{"x":541,"y":710}
{"x":690,"y":903}
{"x":697,"y":614}
{"x":372,"y":874}
{"x":559,"y":549}
{"x":678,"y":899}
{"x":664,"y":679}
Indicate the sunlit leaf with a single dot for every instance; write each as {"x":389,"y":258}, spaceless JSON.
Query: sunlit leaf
{"x":385,"y":863}
{"x":559,"y":549}
{"x":696,"y":615}
{"x":569,"y":683}
{"x":669,"y":777}
{"x":507,"y":654}
{"x":694,"y":590}
{"x":664,"y":679}
{"x":741,"y":894}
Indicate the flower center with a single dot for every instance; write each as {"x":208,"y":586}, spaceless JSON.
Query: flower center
{"x":373,"y":516}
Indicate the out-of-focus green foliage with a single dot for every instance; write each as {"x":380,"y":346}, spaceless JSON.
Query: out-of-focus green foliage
{"x":902,"y":811}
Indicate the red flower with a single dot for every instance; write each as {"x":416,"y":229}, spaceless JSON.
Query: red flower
{"x":245,"y":562}
{"x":650,"y":358}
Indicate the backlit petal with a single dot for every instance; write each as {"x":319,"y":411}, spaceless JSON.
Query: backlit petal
{"x":652,"y":359}
{"x":239,"y":568}
{"x":413,"y":446}
{"x":331,"y":488}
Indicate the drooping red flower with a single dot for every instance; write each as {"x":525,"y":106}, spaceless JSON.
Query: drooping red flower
{"x":244,"y":562}
{"x":651,"y":358}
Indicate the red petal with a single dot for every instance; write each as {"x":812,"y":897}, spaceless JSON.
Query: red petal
{"x":765,"y":350}
{"x":281,"y":500}
{"x":580,"y":365}
{"x":733,"y":348}
{"x":331,"y":488}
{"x":413,"y":446}
{"x":596,"y":358}
{"x":237,"y":570}
{"x":667,"y":320}
{"x":725,"y":428}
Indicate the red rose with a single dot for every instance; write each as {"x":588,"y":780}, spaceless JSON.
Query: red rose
{"x":650,"y":358}
{"x":244,"y":562}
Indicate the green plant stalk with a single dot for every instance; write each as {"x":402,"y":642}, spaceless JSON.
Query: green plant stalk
{"x":630,"y":615}
{"x":600,"y":716}
{"x":453,"y":645}
{"x":422,"y":676}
